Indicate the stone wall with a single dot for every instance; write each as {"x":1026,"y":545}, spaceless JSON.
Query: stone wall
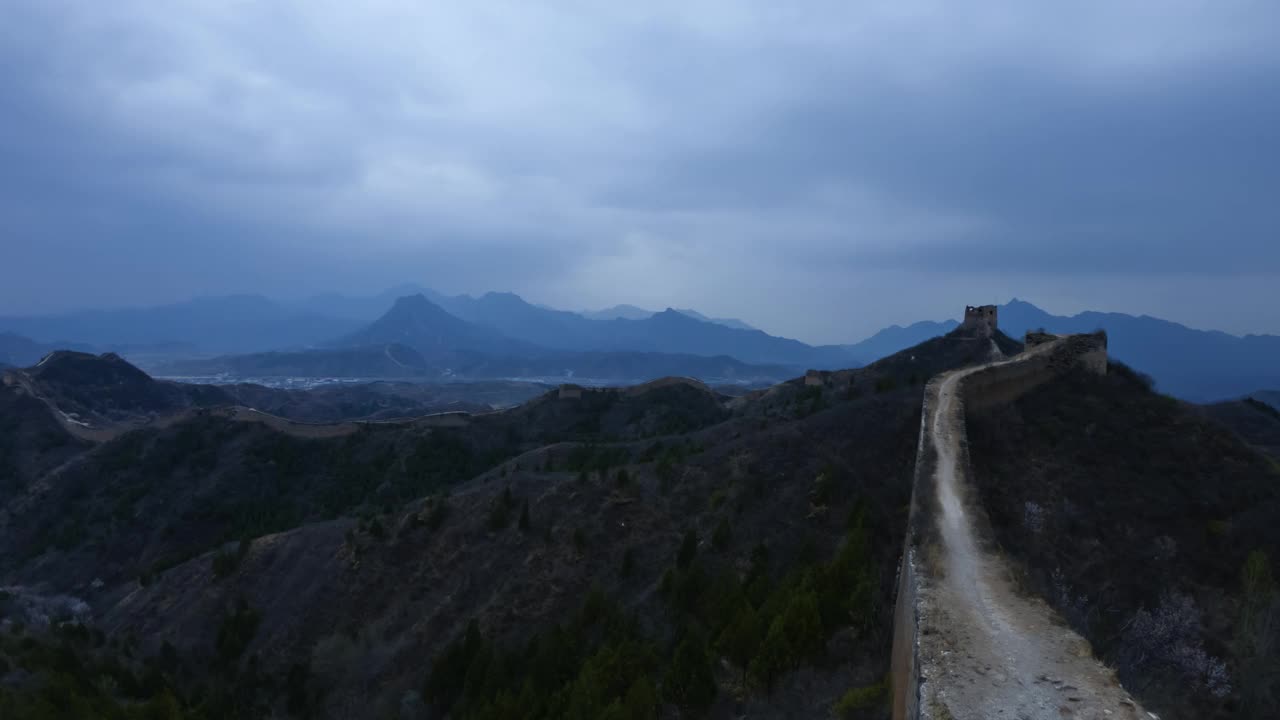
{"x":1004,"y":382}
{"x":982,"y":318}
{"x":998,"y":382}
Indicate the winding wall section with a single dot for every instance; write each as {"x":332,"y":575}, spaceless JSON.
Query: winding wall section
{"x":966,"y":644}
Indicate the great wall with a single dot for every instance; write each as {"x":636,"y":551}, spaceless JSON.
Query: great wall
{"x":967,"y":644}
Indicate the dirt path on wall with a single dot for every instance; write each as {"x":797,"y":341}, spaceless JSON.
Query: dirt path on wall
{"x":987,"y":651}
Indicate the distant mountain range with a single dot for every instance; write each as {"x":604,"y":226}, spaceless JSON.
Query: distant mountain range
{"x":19,"y":351}
{"x":417,"y":339}
{"x":895,"y":337}
{"x":234,"y":323}
{"x":631,"y":312}
{"x":501,"y":332}
{"x":670,"y":331}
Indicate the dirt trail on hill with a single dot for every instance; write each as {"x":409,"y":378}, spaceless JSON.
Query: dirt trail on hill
{"x":990,"y":652}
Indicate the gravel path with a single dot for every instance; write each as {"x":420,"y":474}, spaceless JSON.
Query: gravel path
{"x":986,"y":650}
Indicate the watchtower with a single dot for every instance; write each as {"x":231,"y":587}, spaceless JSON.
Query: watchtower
{"x":981,"y":318}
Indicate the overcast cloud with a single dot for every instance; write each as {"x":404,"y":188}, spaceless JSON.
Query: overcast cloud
{"x":819,"y":169}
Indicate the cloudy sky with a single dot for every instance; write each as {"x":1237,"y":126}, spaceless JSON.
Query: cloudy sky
{"x":817,"y":168}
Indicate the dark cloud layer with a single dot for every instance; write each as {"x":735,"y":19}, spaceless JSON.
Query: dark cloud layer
{"x":817,"y":168}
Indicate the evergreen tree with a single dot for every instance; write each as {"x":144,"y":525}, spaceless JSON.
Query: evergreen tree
{"x":689,"y":682}
{"x":641,"y":702}
{"x":688,"y":550}
{"x":771,"y":659}
{"x":741,"y":638}
{"x":722,"y":535}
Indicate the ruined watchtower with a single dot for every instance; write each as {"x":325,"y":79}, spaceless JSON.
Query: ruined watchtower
{"x":981,"y":318}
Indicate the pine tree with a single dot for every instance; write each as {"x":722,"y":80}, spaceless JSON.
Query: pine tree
{"x":641,"y":702}
{"x":688,"y":550}
{"x":722,"y":535}
{"x":689,"y":682}
{"x":741,"y":638}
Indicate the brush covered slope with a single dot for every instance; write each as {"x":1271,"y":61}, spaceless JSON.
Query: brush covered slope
{"x":1150,"y":527}
{"x":1256,"y":421}
{"x":106,"y":393}
{"x":592,"y":553}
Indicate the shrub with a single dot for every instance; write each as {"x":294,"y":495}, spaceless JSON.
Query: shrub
{"x":500,"y":510}
{"x":1169,"y":639}
{"x":224,"y":563}
{"x":856,"y":700}
{"x":722,"y":535}
{"x":524,"y":517}
{"x":438,"y":513}
{"x":236,"y":632}
{"x":628,"y":562}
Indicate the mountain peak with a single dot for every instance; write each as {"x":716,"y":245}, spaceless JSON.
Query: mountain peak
{"x":426,"y":327}
{"x":86,"y":368}
{"x":414,"y":303}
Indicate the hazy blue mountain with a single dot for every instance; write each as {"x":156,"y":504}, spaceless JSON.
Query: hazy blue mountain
{"x":631,"y":312}
{"x":618,"y":312}
{"x":233,"y":323}
{"x":19,"y":351}
{"x":673,"y":331}
{"x":509,"y":314}
{"x":670,"y":331}
{"x":452,"y":346}
{"x":895,"y":337}
{"x":727,"y":322}
{"x":416,"y":322}
{"x":365,"y":308}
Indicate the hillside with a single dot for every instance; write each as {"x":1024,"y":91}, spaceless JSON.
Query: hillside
{"x":799,"y":487}
{"x":400,"y":362}
{"x":646,"y":548}
{"x":1254,"y":421}
{"x":1165,"y":511}
{"x":1270,"y":397}
{"x":99,"y":397}
{"x":392,"y":360}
